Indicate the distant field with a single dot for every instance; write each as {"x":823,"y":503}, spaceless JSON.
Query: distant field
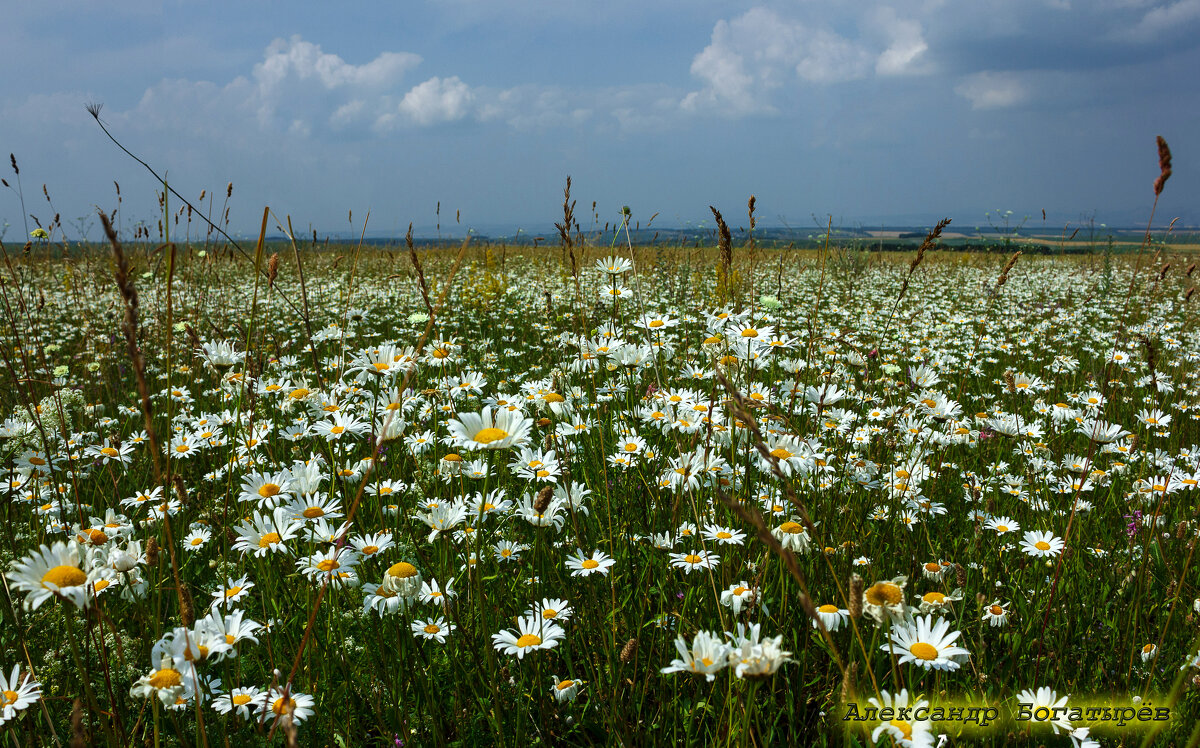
{"x":584,"y":495}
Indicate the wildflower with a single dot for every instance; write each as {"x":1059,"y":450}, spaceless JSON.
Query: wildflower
{"x":17,"y":694}
{"x":565,"y":689}
{"x":996,"y":614}
{"x":242,"y":700}
{"x":928,"y":644}
{"x":832,"y":616}
{"x":484,"y":431}
{"x":434,"y":628}
{"x":700,"y":559}
{"x":532,"y":633}
{"x":885,"y":599}
{"x":582,"y":566}
{"x":298,"y":705}
{"x":53,"y":571}
{"x":707,"y":655}
{"x":909,"y":734}
{"x":165,"y":682}
{"x":1042,"y":544}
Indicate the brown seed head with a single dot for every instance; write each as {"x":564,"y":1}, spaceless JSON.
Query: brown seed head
{"x":543,"y":500}
{"x":628,"y":651}
{"x":1164,"y":166}
{"x":152,"y":551}
{"x":856,"y":596}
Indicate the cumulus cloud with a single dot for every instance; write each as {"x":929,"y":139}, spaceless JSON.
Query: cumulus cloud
{"x":759,"y":51}
{"x":992,"y":90}
{"x":750,"y":57}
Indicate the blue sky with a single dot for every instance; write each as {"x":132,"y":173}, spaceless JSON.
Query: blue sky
{"x":894,"y":112}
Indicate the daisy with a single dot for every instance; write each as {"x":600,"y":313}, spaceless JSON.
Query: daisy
{"x":565,"y":689}
{"x":165,"y":682}
{"x":700,"y":559}
{"x":51,"y":571}
{"x":232,"y":592}
{"x":484,"y":431}
{"x":268,"y":489}
{"x":532,"y":633}
{"x":196,"y":539}
{"x":925,"y":643}
{"x":17,"y":694}
{"x":262,"y":535}
{"x":435,"y":628}
{"x":996,"y":614}
{"x":724,"y":535}
{"x":380,"y":599}
{"x":707,"y":655}
{"x":832,"y":616}
{"x":914,"y":734}
{"x":552,"y":609}
{"x":885,"y":599}
{"x":793,"y":536}
{"x":740,"y":595}
{"x":1042,"y":544}
{"x":431,"y":593}
{"x":582,"y":566}
{"x":328,"y":564}
{"x":243,"y":700}
{"x":275,"y":705}
{"x":371,"y":545}
{"x":1002,"y":525}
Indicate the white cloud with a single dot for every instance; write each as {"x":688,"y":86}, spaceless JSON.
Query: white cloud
{"x":752,"y":55}
{"x":437,"y":100}
{"x":1163,"y":20}
{"x":992,"y":90}
{"x":906,"y":49}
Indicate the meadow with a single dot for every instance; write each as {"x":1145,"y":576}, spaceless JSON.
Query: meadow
{"x":595,"y":493}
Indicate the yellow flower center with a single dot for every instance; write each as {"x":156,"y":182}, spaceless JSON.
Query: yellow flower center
{"x":1042,"y":545}
{"x":724,"y":535}
{"x":328,"y":564}
{"x":933,"y":566}
{"x":936,"y":598}
{"x":564,"y":684}
{"x":432,"y":628}
{"x":279,"y":705}
{"x":64,"y":576}
{"x":452,"y":458}
{"x":750,"y":333}
{"x":591,"y":563}
{"x":692,"y":558}
{"x":267,"y":490}
{"x":165,"y":678}
{"x":489,"y":435}
{"x":529,"y":640}
{"x":10,"y":697}
{"x":905,"y":729}
{"x":232,"y":591}
{"x":337,"y":429}
{"x":313,"y":512}
{"x":549,"y":613}
{"x":268,"y":539}
{"x":109,"y":452}
{"x":241,"y":699}
{"x":924,"y":651}
{"x":402,"y":570}
{"x":884,"y":593}
{"x":370,"y":550}
{"x":298,"y":394}
{"x":780,"y":453}
{"x":1001,"y":528}
{"x":791,"y":528}
{"x":828,"y":609}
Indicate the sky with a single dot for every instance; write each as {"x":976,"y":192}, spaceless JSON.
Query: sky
{"x":859,"y":112}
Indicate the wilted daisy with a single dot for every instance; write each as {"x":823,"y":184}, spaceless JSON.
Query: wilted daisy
{"x":706,"y":655}
{"x":565,"y":689}
{"x":740,"y":595}
{"x":995,"y":614}
{"x":832,"y":616}
{"x":884,"y":600}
